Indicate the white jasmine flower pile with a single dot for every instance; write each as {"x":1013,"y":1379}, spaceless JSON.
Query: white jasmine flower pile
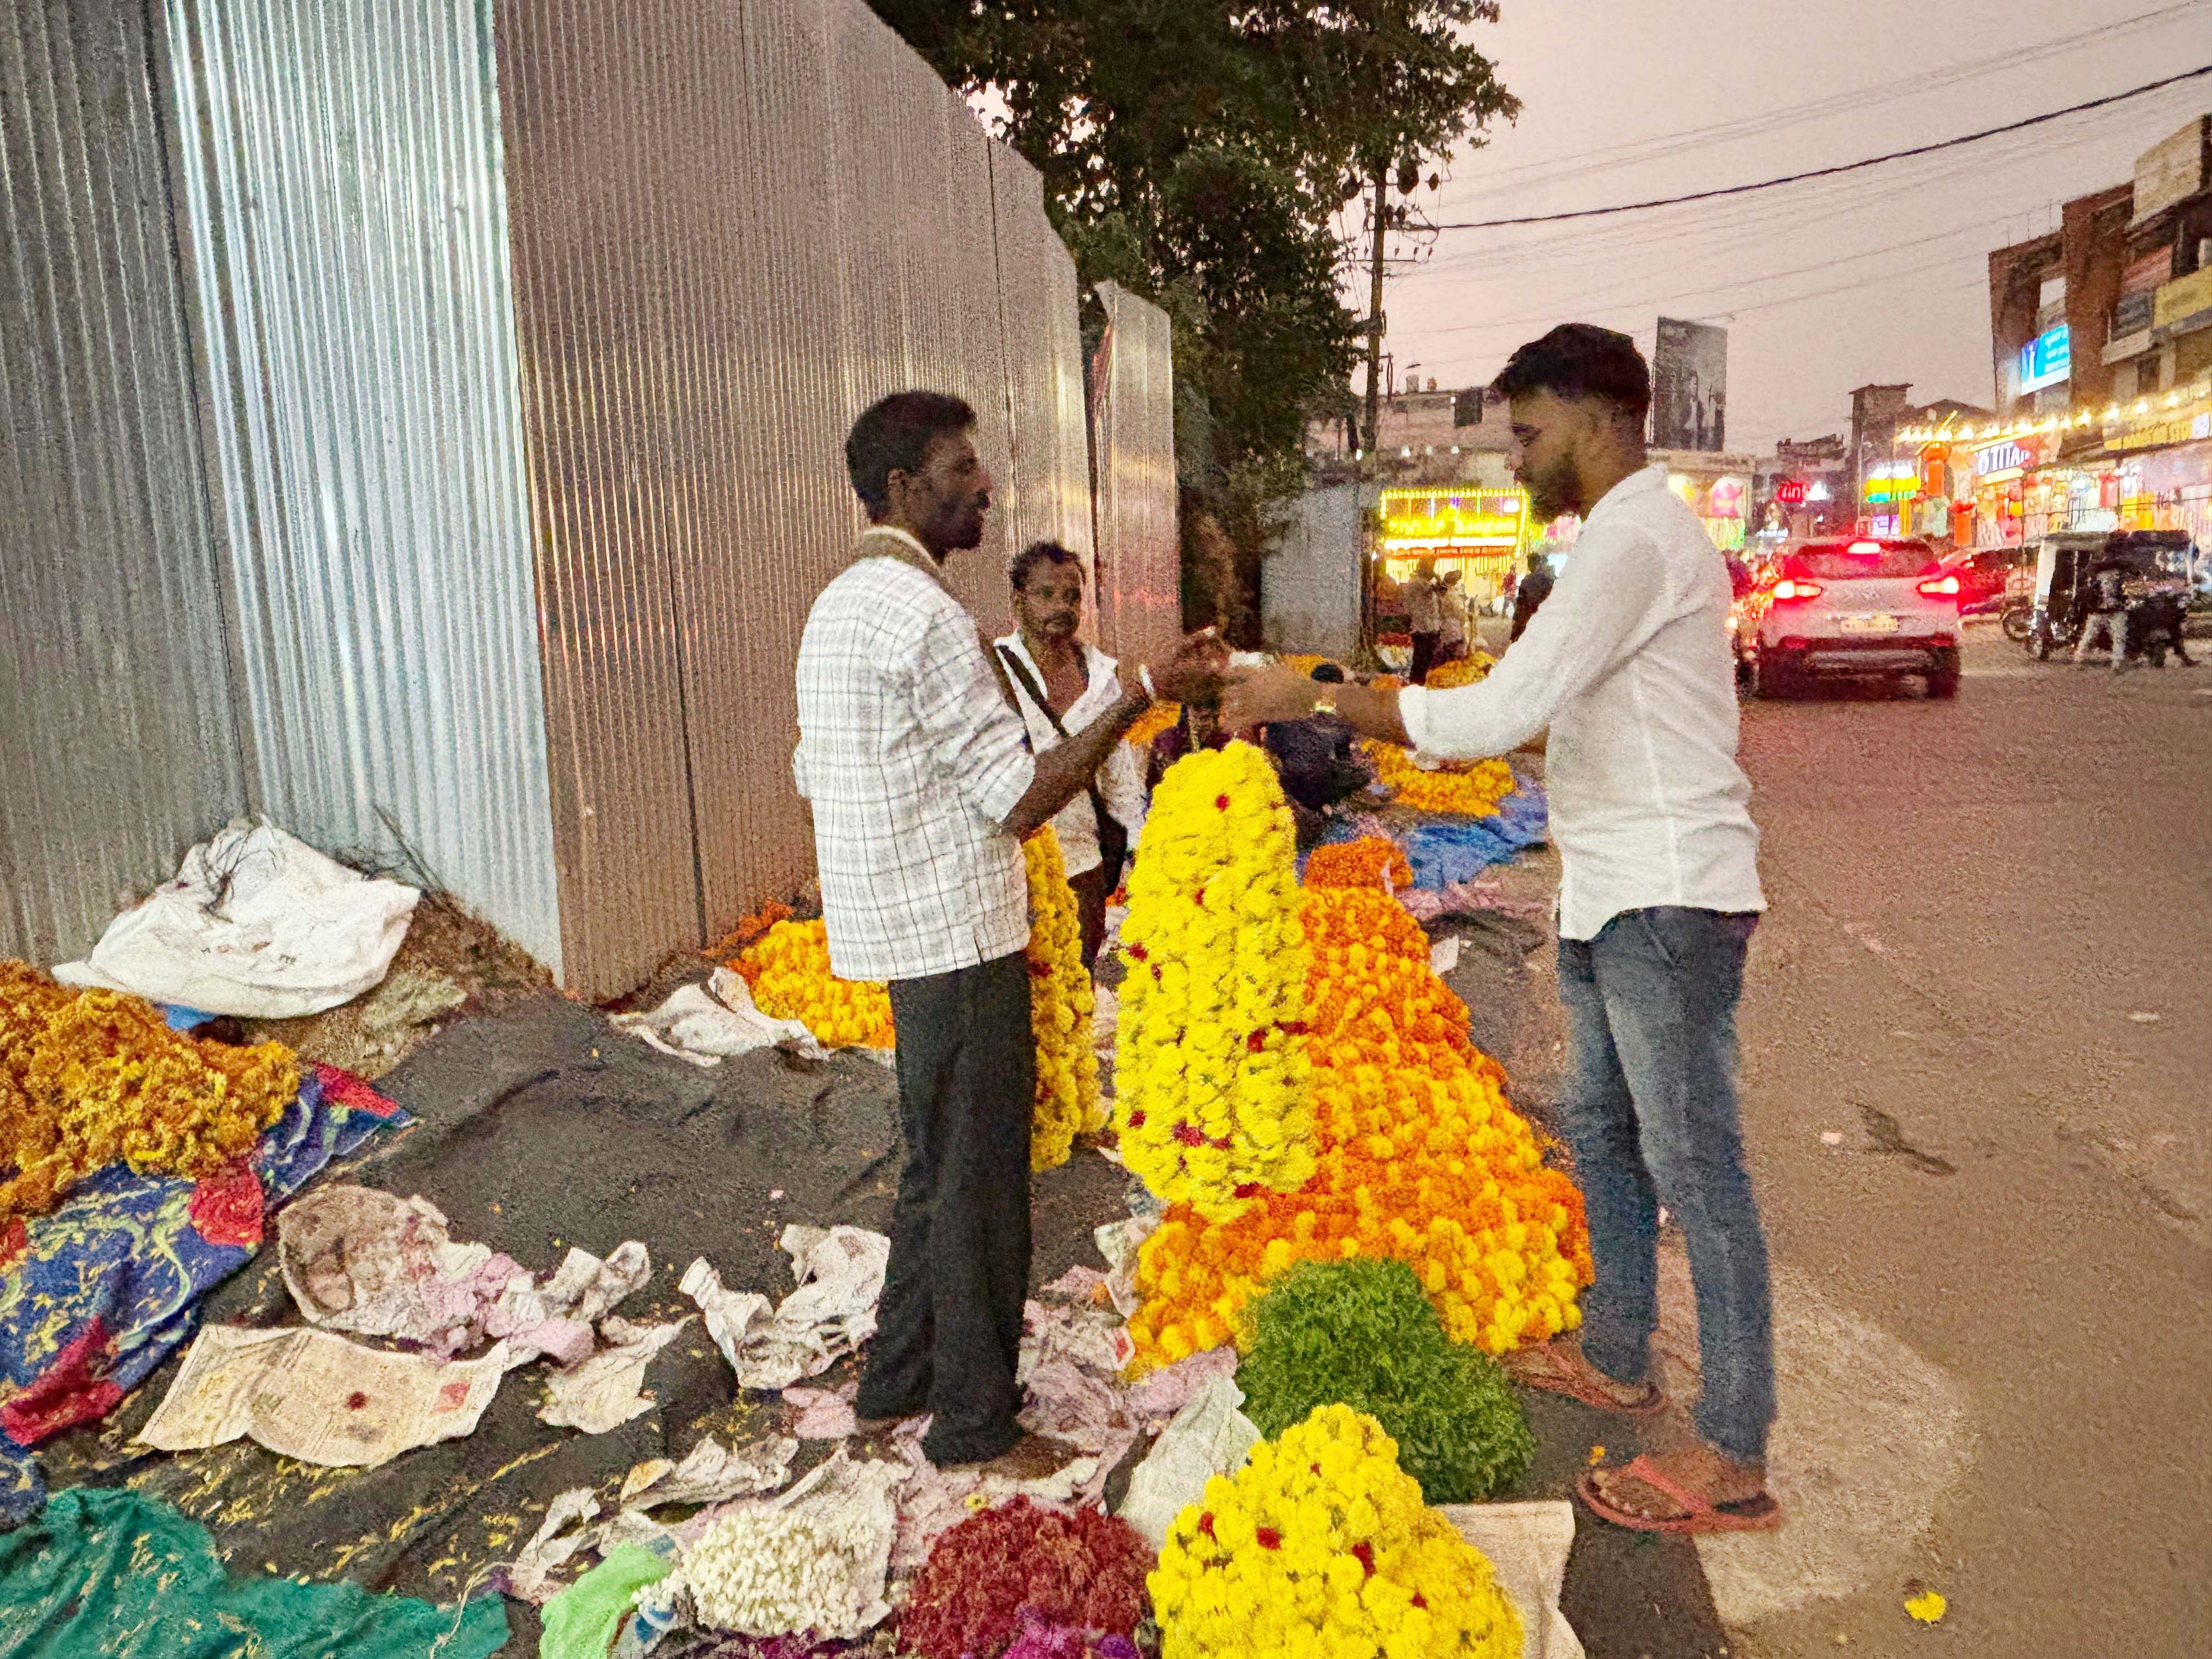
{"x":771,"y":1572}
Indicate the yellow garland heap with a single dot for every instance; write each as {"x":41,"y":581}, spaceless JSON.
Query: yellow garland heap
{"x":788,"y":969}
{"x":1474,"y":789}
{"x":88,"y":1078}
{"x":1461,"y":671}
{"x":1210,"y":1079}
{"x":1321,"y":1548}
{"x":1061,"y":1002}
{"x":1420,"y":1159}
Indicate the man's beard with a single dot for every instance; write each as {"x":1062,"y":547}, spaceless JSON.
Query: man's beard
{"x":1550,"y":497}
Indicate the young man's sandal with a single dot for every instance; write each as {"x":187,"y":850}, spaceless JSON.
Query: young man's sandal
{"x":1758,"y":1513}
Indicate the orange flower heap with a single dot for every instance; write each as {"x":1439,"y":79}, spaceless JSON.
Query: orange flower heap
{"x":1370,"y":861}
{"x":1153,"y":721}
{"x":788,"y":969}
{"x":88,"y":1078}
{"x":1474,"y":790}
{"x":1462,"y":670}
{"x":1421,"y":1159}
{"x":1061,"y":1002}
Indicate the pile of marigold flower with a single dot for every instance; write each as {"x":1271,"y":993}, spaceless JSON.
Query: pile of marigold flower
{"x":1370,"y":861}
{"x":88,"y":1078}
{"x":1474,"y":790}
{"x":788,"y":970}
{"x":1153,"y":721}
{"x":1210,"y":1079}
{"x":1321,"y":1545}
{"x":1419,"y":1158}
{"x":1062,"y":1000}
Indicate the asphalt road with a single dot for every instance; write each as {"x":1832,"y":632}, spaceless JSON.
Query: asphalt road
{"x":1977,"y":1099}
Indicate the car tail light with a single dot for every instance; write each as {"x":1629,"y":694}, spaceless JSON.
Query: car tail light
{"x":1795,"y":587}
{"x":1941,"y":587}
{"x":1869,"y":549}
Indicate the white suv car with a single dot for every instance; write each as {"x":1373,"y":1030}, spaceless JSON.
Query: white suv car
{"x":1861,"y":606}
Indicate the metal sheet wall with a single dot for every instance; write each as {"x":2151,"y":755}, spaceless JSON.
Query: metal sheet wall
{"x":1309,"y":584}
{"x":349,"y":233}
{"x":1140,"y":557}
{"x":117,"y":744}
{"x":735,"y":226}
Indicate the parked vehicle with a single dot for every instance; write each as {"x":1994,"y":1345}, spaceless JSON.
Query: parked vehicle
{"x":2156,"y":589}
{"x":1867,"y":605}
{"x":1983,"y":574}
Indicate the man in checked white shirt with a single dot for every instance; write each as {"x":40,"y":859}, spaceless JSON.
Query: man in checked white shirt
{"x":1627,"y":667}
{"x":923,"y":786}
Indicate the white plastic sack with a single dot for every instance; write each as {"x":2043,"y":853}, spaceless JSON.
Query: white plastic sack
{"x":708,"y":1023}
{"x":1528,"y":1546}
{"x":1209,"y":1436}
{"x":257,"y":923}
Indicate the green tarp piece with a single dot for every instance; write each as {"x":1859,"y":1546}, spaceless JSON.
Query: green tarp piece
{"x":581,"y":1621}
{"x":127,"y":1576}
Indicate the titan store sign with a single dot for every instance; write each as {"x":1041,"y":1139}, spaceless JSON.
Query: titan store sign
{"x":2047,"y":360}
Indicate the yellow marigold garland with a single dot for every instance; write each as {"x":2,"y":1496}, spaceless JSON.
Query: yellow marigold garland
{"x":1153,"y":721}
{"x":1210,"y":1081}
{"x":788,"y":969}
{"x":1472,"y":789}
{"x":1061,"y":1002}
{"x":1321,"y":1548}
{"x":1420,"y":1158}
{"x":88,"y":1078}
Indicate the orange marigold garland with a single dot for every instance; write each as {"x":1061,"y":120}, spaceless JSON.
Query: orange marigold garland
{"x":1370,"y":861}
{"x":1472,"y":789}
{"x":1461,"y":671}
{"x":1420,"y":1159}
{"x":88,"y":1078}
{"x":1153,"y":721}
{"x":1061,"y":1002}
{"x":1210,"y":1081}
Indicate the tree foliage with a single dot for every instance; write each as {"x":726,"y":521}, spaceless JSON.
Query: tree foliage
{"x":1197,"y":156}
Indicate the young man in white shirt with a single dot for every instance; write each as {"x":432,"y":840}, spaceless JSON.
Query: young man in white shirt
{"x":1627,"y":666}
{"x":923,"y":785}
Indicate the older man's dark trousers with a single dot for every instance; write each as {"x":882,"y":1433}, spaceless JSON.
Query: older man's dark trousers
{"x":949,"y":1331}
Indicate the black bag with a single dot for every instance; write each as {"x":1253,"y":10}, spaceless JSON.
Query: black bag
{"x":1113,"y":833}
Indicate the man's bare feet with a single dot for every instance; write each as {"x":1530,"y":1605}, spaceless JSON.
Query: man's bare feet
{"x":1560,"y":1366}
{"x":1698,"y":1468}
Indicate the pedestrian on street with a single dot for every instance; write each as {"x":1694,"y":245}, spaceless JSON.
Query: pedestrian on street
{"x":1424,"y":620}
{"x":923,"y":786}
{"x":1064,"y":683}
{"x":1451,"y":608}
{"x":1627,"y":668}
{"x":2107,"y":615}
{"x":1535,"y":588}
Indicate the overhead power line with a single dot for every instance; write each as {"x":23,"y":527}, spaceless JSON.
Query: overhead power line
{"x":1840,"y":167}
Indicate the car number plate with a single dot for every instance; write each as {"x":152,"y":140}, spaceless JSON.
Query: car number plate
{"x":1870,"y":624}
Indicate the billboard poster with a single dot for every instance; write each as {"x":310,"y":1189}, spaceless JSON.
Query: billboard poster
{"x":1689,"y":386}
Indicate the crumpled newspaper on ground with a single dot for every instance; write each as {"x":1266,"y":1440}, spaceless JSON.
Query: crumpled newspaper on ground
{"x":841,"y":1277}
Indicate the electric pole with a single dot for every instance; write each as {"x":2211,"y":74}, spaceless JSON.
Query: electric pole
{"x":1375,"y":328}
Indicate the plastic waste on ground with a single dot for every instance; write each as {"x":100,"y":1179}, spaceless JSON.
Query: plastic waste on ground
{"x":708,"y":1024}
{"x":255,"y":923}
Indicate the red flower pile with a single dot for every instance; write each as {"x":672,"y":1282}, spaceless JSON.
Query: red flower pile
{"x":1076,"y":1567}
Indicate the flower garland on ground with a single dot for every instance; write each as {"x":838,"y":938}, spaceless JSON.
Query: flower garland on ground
{"x":1370,"y":861}
{"x":1211,"y":1081}
{"x":1420,"y":1159}
{"x":1321,"y":1546}
{"x":788,"y":969}
{"x":770,"y":1572}
{"x":88,"y":1078}
{"x":1474,"y":791}
{"x":1076,"y":1568}
{"x":1062,"y":1000}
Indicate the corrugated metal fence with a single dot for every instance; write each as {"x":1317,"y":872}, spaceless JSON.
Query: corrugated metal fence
{"x":527,"y":336}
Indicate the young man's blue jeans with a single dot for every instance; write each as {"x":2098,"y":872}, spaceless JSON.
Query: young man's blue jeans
{"x":1651,"y":1111}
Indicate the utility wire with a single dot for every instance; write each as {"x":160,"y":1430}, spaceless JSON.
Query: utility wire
{"x":1840,"y":167}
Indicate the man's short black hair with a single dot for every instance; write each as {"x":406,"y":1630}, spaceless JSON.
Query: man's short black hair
{"x":894,"y":435}
{"x":1328,"y":674}
{"x":1581,"y":360}
{"x":1020,"y":569}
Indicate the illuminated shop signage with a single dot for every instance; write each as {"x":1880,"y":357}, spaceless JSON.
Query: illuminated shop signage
{"x":1999,"y":458}
{"x":1789,"y":491}
{"x":1466,"y":517}
{"x":2047,"y":359}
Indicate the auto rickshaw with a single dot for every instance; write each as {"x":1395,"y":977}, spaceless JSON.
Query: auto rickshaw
{"x":2060,"y":607}
{"x":2054,"y":587}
